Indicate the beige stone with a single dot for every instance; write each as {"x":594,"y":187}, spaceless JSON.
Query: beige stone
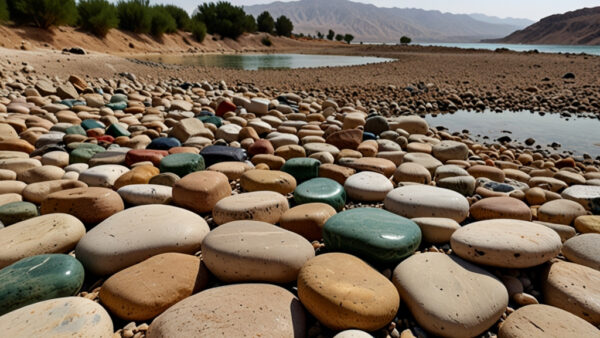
{"x":265,"y":206}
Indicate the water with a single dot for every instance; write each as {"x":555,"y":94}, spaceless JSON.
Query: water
{"x":592,"y":50}
{"x":577,"y":134}
{"x":266,"y":61}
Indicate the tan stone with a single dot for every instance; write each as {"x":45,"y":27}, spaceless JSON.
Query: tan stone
{"x":588,"y":223}
{"x":37,"y":192}
{"x":307,"y":220}
{"x":233,"y":170}
{"x":265,"y":206}
{"x":436,"y":230}
{"x":500,"y":207}
{"x":560,"y":211}
{"x":139,"y":175}
{"x":90,"y":205}
{"x":200,"y":191}
{"x":271,"y":180}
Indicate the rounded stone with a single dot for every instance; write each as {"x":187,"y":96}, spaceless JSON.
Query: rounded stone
{"x":493,"y":173}
{"x":321,"y":190}
{"x":90,"y":205}
{"x":41,"y":174}
{"x":375,"y":235}
{"x":138,"y":175}
{"x":69,"y":316}
{"x":182,"y":164}
{"x":103,"y":175}
{"x":166,"y":179}
{"x":574,"y":288}
{"x":200,"y":191}
{"x":540,"y":321}
{"x":233,"y":170}
{"x":307,"y":219}
{"x":37,"y":192}
{"x":429,"y":162}
{"x":271,"y":180}
{"x":264,"y":206}
{"x":14,"y":212}
{"x":53,"y":233}
{"x":375,"y":164}
{"x":368,"y":186}
{"x":233,"y":311}
{"x":500,"y":207}
{"x":138,"y":233}
{"x":464,"y":185}
{"x":353,"y":334}
{"x":344,"y":292}
{"x":166,"y":279}
{"x":427,"y":201}
{"x":583,"y":249}
{"x":436,"y":230}
{"x":506,"y":243}
{"x":243,"y":251}
{"x":450,"y":150}
{"x":586,"y":195}
{"x":560,"y":211}
{"x":588,"y":223}
{"x":448,"y":296}
{"x":142,"y":194}
{"x":412,"y":172}
{"x":38,"y":278}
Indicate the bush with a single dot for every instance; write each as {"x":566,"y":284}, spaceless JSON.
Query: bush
{"x":284,"y":26}
{"x":330,"y":35}
{"x":320,"y":35}
{"x":3,"y":11}
{"x":135,"y":15}
{"x":250,"y":24}
{"x":180,"y":15}
{"x":162,"y":22}
{"x":265,"y":22}
{"x":339,"y":37}
{"x":223,"y":18}
{"x":405,"y":40}
{"x":348,"y":38}
{"x":198,"y":30}
{"x":43,"y":13}
{"x":97,"y":16}
{"x":266,"y":41}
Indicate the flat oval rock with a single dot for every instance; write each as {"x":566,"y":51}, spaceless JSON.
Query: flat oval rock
{"x":242,"y":251}
{"x":138,"y":233}
{"x":500,"y":207}
{"x":264,"y":206}
{"x":307,"y":220}
{"x":372,"y":234}
{"x":344,"y":292}
{"x":449,"y":296}
{"x":271,"y":180}
{"x":560,"y":211}
{"x":583,"y":249}
{"x":233,"y":311}
{"x":506,"y":243}
{"x":90,"y":205}
{"x":142,"y":194}
{"x":103,"y":175}
{"x":321,"y":190}
{"x":368,"y":186}
{"x":37,"y":278}
{"x":436,"y":230}
{"x":426,"y":201}
{"x":586,"y":195}
{"x":61,"y":317}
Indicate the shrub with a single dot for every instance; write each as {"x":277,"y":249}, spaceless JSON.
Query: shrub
{"x":3,"y":11}
{"x":284,"y":26}
{"x":348,"y":38}
{"x":44,"y":13}
{"x":162,"y":22}
{"x":266,"y":41}
{"x":198,"y":29}
{"x":320,"y":35}
{"x":405,"y":40}
{"x":135,"y":15}
{"x":330,"y":35}
{"x":97,"y":16}
{"x":265,"y":22}
{"x":250,"y":24}
{"x":339,"y":37}
{"x":223,"y":18}
{"x":180,"y":15}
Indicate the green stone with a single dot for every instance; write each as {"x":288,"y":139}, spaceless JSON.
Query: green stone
{"x":84,"y":152}
{"x":37,"y":278}
{"x":302,"y":168}
{"x":75,"y":130}
{"x":182,"y":164}
{"x":323,"y":190}
{"x":117,"y":105}
{"x":375,"y":235}
{"x":91,"y":124}
{"x":118,"y":98}
{"x":211,"y":119}
{"x":116,"y":130}
{"x":15,"y":212}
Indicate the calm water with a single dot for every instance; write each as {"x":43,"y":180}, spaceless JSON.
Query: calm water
{"x":267,"y":61}
{"x":592,"y":50}
{"x":577,"y":134}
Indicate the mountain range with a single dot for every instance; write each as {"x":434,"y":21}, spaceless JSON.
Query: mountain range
{"x":369,"y":23}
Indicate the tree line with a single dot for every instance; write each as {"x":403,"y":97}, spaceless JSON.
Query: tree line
{"x":138,"y":16}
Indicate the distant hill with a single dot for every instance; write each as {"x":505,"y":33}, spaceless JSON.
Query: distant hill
{"x":369,"y":23}
{"x":518,"y":23}
{"x":580,"y":27}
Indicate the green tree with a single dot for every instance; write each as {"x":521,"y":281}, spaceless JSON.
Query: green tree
{"x":180,"y":15}
{"x":223,"y":18}
{"x":339,"y":37}
{"x":43,"y":13}
{"x":3,"y":11}
{"x":320,"y":35}
{"x":405,"y":40}
{"x":198,"y":29}
{"x":265,"y":22}
{"x":135,"y":15}
{"x":250,"y":24}
{"x":330,"y":35}
{"x":284,"y":26}
{"x":97,"y":16}
{"x":348,"y":38}
{"x":162,"y":22}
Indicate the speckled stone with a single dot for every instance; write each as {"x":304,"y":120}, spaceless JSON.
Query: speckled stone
{"x":14,"y":212}
{"x":368,"y":186}
{"x":436,"y":230}
{"x":264,"y":206}
{"x":233,"y":311}
{"x":37,"y":278}
{"x":500,"y":207}
{"x":200,"y":191}
{"x":588,"y":223}
{"x":427,"y":201}
{"x":586,"y":195}
{"x":375,"y":235}
{"x":307,"y":219}
{"x":560,"y":211}
{"x":271,"y":180}
{"x":182,"y":164}
{"x":321,"y":190}
{"x":142,"y":194}
{"x":583,"y":249}
{"x":90,"y":205}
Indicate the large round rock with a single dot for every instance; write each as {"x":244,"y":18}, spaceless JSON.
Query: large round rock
{"x":344,"y":292}
{"x":426,"y":201}
{"x":506,"y":243}
{"x":90,"y":205}
{"x":448,"y":296}
{"x":138,"y":233}
{"x":255,"y":310}
{"x":255,"y":251}
{"x":375,"y":235}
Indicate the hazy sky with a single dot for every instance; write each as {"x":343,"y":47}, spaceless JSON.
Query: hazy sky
{"x":531,"y":9}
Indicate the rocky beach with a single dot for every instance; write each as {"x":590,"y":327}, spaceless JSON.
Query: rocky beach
{"x":145,"y":199}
